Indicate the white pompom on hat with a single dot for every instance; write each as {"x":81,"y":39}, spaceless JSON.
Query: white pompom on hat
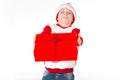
{"x":69,"y":6}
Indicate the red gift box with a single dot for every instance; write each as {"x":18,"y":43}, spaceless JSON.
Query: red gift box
{"x":55,"y":47}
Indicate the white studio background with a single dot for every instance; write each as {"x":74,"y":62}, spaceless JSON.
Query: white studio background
{"x":99,"y":21}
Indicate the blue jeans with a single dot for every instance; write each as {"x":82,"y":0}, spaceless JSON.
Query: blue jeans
{"x":56,"y":76}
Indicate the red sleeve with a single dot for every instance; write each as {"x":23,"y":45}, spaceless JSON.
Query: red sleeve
{"x":77,"y":31}
{"x":46,"y":29}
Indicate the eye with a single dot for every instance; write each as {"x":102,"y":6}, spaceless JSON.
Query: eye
{"x":62,"y":12}
{"x":69,"y":13}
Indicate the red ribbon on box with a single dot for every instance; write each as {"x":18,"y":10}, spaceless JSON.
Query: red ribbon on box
{"x":55,"y":47}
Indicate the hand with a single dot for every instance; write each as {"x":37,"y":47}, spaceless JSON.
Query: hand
{"x":79,"y":40}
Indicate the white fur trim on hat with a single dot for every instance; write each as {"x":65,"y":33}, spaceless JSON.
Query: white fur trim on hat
{"x":69,"y":6}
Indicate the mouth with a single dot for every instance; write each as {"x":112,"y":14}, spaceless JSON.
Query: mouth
{"x":65,"y":17}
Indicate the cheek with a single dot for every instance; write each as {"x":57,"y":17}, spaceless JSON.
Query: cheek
{"x":59,"y":17}
{"x":71,"y":18}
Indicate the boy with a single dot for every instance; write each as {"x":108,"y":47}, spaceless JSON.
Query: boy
{"x":62,"y":70}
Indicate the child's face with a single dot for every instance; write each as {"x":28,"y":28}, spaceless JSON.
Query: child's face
{"x":65,"y":16}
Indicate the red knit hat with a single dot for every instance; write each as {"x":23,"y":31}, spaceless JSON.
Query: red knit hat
{"x":70,"y":7}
